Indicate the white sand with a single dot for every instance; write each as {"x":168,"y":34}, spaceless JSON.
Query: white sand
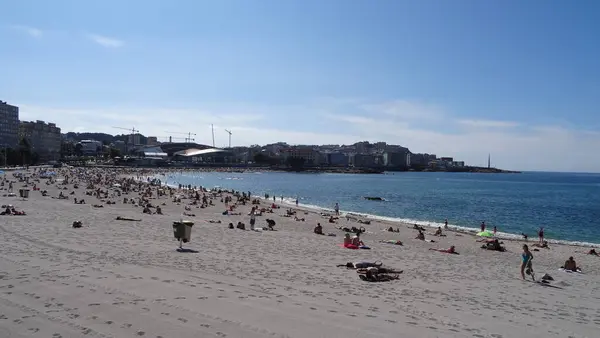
{"x":124,"y":279}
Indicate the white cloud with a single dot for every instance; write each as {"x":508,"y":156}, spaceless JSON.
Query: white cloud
{"x":489,"y":123}
{"x":105,"y":41}
{"x":31,"y":31}
{"x":406,"y":110}
{"x":522,"y":148}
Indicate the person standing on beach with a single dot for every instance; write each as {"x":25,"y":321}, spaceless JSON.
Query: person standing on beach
{"x":446,"y":224}
{"x":337,"y":209}
{"x":296,"y":201}
{"x":495,"y":230}
{"x":541,"y":235}
{"x":482,"y":226}
{"x":252,"y":219}
{"x":526,"y":258}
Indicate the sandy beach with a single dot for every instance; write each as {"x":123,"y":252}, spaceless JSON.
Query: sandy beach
{"x":118,"y":278}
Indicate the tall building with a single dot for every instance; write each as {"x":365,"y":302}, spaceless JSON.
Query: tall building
{"x":152,"y":141}
{"x":44,"y":138}
{"x":9,"y":125}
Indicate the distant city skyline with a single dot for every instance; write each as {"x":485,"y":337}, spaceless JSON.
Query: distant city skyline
{"x":456,"y":78}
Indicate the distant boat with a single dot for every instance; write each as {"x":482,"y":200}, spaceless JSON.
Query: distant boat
{"x":370,"y":198}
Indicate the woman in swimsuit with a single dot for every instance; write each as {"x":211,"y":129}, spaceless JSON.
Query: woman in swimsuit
{"x":526,"y":258}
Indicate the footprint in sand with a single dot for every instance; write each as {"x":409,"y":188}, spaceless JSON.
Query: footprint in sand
{"x":179,"y":297}
{"x":126,"y":325}
{"x":140,"y":333}
{"x":183,"y":320}
{"x":94,"y":304}
{"x":57,"y":335}
{"x":108,"y":322}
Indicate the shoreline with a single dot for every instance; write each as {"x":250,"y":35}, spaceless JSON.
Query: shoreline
{"x":394,"y":221}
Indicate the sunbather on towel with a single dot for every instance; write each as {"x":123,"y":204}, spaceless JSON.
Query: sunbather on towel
{"x":119,"y":218}
{"x":379,"y":270}
{"x":361,"y":265}
{"x":373,"y":275}
{"x":451,"y":250}
{"x":391,"y":241}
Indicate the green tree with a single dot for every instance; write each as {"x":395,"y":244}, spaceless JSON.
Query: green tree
{"x":25,"y":151}
{"x":114,"y":152}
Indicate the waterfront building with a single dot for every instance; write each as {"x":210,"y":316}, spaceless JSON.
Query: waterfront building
{"x":9,"y":125}
{"x":44,"y":138}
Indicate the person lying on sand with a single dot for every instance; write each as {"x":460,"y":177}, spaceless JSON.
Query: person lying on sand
{"x":543,"y":245}
{"x":119,"y":218}
{"x":98,"y":206}
{"x":378,"y":269}
{"x":318,"y":229}
{"x":392,"y":241}
{"x":213,"y":221}
{"x":374,"y":275}
{"x":494,"y":245}
{"x":189,"y":214}
{"x":571,"y":265}
{"x":451,"y":250}
{"x":361,"y":265}
{"x":592,"y":252}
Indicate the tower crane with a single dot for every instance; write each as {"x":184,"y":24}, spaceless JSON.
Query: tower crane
{"x":187,"y":139}
{"x":133,"y":131}
{"x":229,"y":132}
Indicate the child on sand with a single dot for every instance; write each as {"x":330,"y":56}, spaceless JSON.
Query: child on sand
{"x":526,"y":258}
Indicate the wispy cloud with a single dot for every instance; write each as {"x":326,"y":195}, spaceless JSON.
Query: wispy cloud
{"x":31,"y":31}
{"x":489,"y":123}
{"x":406,"y":110}
{"x":106,"y":41}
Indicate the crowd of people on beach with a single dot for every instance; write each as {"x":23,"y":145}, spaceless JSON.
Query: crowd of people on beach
{"x":144,"y":189}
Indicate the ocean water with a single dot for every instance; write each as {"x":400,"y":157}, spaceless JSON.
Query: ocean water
{"x":567,"y":205}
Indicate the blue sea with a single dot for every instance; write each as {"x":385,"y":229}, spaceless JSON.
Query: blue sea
{"x":567,"y":205}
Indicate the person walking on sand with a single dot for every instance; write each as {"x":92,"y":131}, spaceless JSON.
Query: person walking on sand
{"x":252,"y":219}
{"x":526,"y":258}
{"x":541,"y":235}
{"x":337,"y":209}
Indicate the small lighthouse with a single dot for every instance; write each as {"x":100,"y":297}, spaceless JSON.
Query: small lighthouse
{"x":489,"y":162}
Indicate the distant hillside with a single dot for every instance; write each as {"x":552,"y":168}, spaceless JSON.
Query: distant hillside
{"x":102,"y":137}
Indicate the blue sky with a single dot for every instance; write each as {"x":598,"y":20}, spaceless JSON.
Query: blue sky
{"x":518,"y":79}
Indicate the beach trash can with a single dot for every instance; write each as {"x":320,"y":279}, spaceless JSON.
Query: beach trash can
{"x":182,"y":230}
{"x":24,"y":193}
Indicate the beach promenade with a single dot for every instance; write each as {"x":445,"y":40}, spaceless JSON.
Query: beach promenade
{"x":118,"y":278}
